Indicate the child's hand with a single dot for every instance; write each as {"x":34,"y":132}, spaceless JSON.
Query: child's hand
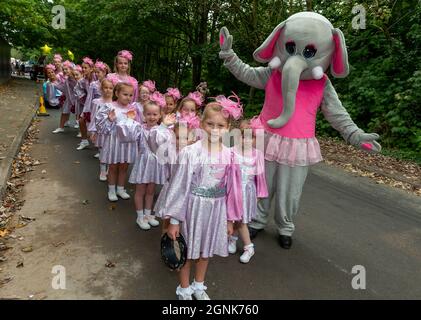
{"x":169,"y":119}
{"x":230,"y":228}
{"x":131,"y":114}
{"x":112,"y":116}
{"x":173,"y":231}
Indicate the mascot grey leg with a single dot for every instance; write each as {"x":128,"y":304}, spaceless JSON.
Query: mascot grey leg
{"x":285,"y":186}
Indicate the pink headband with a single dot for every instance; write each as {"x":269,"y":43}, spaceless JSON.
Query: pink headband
{"x":158,"y":98}
{"x":88,"y":61}
{"x":174,"y":93}
{"x":68,"y":64}
{"x":58,"y":57}
{"x":256,"y":124}
{"x":197,"y":97}
{"x":150,"y":85}
{"x":191,"y":120}
{"x":230,"y":108}
{"x":50,"y":66}
{"x":125,"y":54}
{"x":78,"y":68}
{"x":100,"y":65}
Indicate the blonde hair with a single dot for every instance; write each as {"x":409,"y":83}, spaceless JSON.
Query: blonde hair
{"x":116,"y":62}
{"x":214,"y":107}
{"x":104,"y":81}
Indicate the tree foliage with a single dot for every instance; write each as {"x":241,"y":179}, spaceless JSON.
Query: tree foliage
{"x":175,"y":42}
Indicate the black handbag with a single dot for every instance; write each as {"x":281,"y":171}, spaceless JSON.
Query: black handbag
{"x":173,"y":253}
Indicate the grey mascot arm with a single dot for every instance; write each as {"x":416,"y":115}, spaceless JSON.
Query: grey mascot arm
{"x":255,"y":77}
{"x":340,"y":120}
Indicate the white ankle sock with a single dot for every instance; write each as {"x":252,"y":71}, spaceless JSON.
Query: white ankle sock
{"x":198,"y":285}
{"x":120,"y":188}
{"x":85,"y":141}
{"x":111,"y":188}
{"x":251,"y":245}
{"x":147,"y":212}
{"x":139,"y":214}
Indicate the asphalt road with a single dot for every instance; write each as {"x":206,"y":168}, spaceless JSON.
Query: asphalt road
{"x":344,"y":221}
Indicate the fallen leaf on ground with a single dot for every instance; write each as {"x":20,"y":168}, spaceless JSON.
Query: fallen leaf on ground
{"x":44,"y":171}
{"x":112,"y":207}
{"x":27,"y":249}
{"x":3,"y":233}
{"x":3,"y":259}
{"x":5,"y":280}
{"x":110,"y":264}
{"x":57,"y":244}
{"x":85,"y":202}
{"x":19,"y":264}
{"x":76,"y":162}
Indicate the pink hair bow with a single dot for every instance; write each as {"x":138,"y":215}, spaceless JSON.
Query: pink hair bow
{"x":50,"y":66}
{"x":191,"y":120}
{"x":174,"y":92}
{"x":126,"y":54}
{"x":68,"y":64}
{"x":88,"y":61}
{"x":78,"y":68}
{"x":150,"y":85}
{"x":100,"y":65}
{"x":197,"y":97}
{"x":230,"y":107}
{"x":158,"y":98}
{"x":58,"y":57}
{"x":256,"y":124}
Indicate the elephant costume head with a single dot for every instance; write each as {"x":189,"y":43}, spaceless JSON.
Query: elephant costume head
{"x":302,"y":47}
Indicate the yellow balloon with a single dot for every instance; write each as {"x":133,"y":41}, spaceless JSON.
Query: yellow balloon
{"x":46,"y":49}
{"x":71,"y":55}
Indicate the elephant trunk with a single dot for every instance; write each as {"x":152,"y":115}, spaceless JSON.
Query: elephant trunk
{"x":291,"y":72}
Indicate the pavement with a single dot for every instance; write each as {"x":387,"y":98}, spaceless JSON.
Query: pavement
{"x":346,"y":224}
{"x":18,"y":104}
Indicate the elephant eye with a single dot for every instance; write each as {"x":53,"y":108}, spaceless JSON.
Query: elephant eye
{"x":309,"y":52}
{"x":290,"y":47}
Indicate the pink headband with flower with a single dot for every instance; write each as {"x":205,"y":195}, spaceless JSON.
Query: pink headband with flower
{"x":197,"y":97}
{"x":58,"y":57}
{"x":100,"y":65}
{"x":158,"y":98}
{"x":68,"y":64}
{"x":230,"y":108}
{"x":88,"y":61}
{"x":174,"y":93}
{"x":78,"y":68}
{"x":50,"y":66}
{"x":150,"y":85}
{"x":191,"y":120}
{"x":125,"y":54}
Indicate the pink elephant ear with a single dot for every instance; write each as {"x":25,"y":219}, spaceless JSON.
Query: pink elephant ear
{"x":339,"y":66}
{"x":265,"y":52}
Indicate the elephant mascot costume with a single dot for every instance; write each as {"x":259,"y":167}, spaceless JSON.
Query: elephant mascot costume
{"x":298,"y":52}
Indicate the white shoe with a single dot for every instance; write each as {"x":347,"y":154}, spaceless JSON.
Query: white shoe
{"x":123,"y":194}
{"x":184,"y":294}
{"x":232,"y":245}
{"x":200,"y":295}
{"x":79,"y":135}
{"x":58,"y":130}
{"x":103,"y":176}
{"x":143,"y":224}
{"x":152,"y":221}
{"x":83,"y":145}
{"x":112,"y":196}
{"x":76,"y":126}
{"x":97,"y":155}
{"x":247,"y":254}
